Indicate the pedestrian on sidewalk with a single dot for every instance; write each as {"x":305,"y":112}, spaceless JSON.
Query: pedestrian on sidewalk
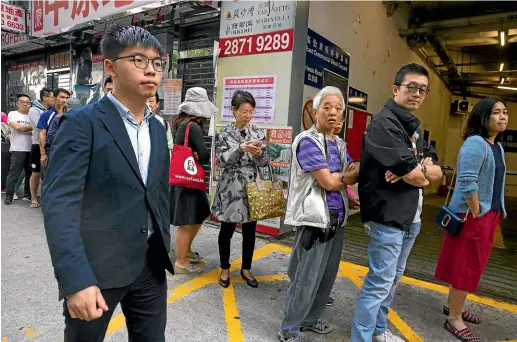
{"x":190,"y":207}
{"x":478,"y":195}
{"x":70,"y":104}
{"x":240,"y":151}
{"x":6,"y":155}
{"x":317,"y":207}
{"x":21,"y":143}
{"x":45,"y":102}
{"x":396,"y":163}
{"x":154,"y":103}
{"x":106,"y":199}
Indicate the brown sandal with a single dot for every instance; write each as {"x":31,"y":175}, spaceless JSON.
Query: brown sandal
{"x":465,"y":335}
{"x":35,"y":205}
{"x":467,"y":316}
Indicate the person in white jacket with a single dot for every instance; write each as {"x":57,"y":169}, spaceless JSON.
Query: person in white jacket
{"x":154,"y":104}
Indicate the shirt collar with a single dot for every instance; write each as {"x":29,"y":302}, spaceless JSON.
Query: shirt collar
{"x":125,"y":113}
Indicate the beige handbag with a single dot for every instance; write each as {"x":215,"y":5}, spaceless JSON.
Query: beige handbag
{"x":265,"y":197}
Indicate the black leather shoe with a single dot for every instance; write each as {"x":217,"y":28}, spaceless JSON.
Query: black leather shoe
{"x":224,"y":283}
{"x":251,"y":282}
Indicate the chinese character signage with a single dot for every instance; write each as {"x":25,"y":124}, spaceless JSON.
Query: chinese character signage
{"x":49,"y":17}
{"x":242,"y":18}
{"x":263,"y":89}
{"x":509,"y":141}
{"x":357,"y":99}
{"x":172,"y":96}
{"x":270,"y":42}
{"x":322,"y":54}
{"x":13,"y":18}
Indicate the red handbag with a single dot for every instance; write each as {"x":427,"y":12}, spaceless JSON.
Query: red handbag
{"x":185,"y":170}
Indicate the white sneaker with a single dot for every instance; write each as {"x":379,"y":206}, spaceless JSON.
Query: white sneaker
{"x":387,"y":336}
{"x":15,"y":197}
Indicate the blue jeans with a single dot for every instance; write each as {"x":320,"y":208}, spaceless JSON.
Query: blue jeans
{"x":388,"y":251}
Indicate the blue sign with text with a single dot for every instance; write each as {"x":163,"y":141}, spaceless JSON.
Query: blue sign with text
{"x":357,"y":98}
{"x":322,"y":54}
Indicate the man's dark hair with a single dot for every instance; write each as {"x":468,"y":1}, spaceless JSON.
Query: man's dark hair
{"x":157,"y":97}
{"x":61,"y":90}
{"x":240,"y":97}
{"x":478,"y":121}
{"x":44,"y":93}
{"x":107,"y":80}
{"x":22,"y":95}
{"x":412,"y":68}
{"x":119,"y":38}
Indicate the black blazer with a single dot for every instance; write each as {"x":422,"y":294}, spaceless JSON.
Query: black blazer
{"x":96,"y":205}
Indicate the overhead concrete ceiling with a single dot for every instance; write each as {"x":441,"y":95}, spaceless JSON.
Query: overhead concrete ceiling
{"x":461,"y":42}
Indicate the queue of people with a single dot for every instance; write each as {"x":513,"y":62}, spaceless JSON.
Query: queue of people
{"x":108,"y":206}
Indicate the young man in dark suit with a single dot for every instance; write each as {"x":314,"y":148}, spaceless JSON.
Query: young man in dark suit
{"x":106,"y":195}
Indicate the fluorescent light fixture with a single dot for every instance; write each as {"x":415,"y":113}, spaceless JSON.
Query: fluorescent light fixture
{"x":501,"y":34}
{"x":356,"y":100}
{"x":507,"y":88}
{"x":502,"y":80}
{"x":501,"y":67}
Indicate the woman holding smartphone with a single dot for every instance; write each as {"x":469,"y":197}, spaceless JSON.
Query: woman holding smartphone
{"x":240,"y":150}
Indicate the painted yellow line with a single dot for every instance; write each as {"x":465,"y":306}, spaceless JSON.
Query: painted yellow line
{"x":263,"y":279}
{"x":231,"y":315}
{"x":29,"y":333}
{"x":212,"y":277}
{"x":475,"y":298}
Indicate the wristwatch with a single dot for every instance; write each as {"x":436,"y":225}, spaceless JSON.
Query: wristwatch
{"x":424,"y":168}
{"x":342,"y":178}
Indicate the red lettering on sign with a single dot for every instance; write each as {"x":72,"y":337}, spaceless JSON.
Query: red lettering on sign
{"x":10,"y":10}
{"x":54,"y":7}
{"x":122,"y":3}
{"x":19,"y":12}
{"x":15,"y":19}
{"x":269,"y":42}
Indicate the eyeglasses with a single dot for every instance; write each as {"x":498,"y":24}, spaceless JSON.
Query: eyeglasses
{"x":413,"y":88}
{"x":142,"y":61}
{"x":251,"y":112}
{"x":24,"y":102}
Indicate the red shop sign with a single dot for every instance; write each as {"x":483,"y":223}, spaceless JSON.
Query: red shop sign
{"x":13,"y":18}
{"x":269,"y":42}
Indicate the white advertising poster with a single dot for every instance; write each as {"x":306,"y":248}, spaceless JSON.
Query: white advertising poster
{"x":242,"y":18}
{"x":172,"y":95}
{"x":263,"y":89}
{"x":49,"y":17}
{"x":13,"y":18}
{"x":98,"y":74}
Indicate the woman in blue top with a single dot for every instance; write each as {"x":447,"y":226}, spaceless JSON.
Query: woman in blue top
{"x":479,"y":194}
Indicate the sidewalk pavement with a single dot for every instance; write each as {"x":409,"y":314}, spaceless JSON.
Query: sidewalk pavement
{"x":200,"y":310}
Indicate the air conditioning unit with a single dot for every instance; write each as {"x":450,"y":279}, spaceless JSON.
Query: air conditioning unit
{"x":460,"y":107}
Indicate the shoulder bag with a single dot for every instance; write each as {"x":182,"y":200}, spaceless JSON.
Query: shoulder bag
{"x":185,"y":170}
{"x":447,"y":219}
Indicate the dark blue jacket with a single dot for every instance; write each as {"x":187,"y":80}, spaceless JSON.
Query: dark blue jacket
{"x":96,"y":204}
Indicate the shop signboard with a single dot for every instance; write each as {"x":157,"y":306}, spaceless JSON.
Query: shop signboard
{"x":49,"y":17}
{"x":13,"y":18}
{"x":263,"y":89}
{"x":10,"y":39}
{"x":172,"y":95}
{"x":357,"y":99}
{"x":322,"y":54}
{"x":256,"y":27}
{"x":509,"y":141}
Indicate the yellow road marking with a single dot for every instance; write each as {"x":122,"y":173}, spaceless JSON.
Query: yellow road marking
{"x":231,"y":315}
{"x":29,"y":333}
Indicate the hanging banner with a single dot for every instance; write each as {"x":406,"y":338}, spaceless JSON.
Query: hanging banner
{"x":172,"y":96}
{"x":263,"y":89}
{"x":13,"y":18}
{"x":98,"y":73}
{"x":87,"y":93}
{"x":49,"y":17}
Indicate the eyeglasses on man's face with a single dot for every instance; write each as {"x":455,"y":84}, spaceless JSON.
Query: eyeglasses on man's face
{"x":142,"y":61}
{"x":413,"y":88}
{"x":246,"y":112}
{"x":25,"y":103}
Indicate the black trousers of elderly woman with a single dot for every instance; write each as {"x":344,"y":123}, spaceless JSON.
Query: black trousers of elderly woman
{"x":248,"y":243}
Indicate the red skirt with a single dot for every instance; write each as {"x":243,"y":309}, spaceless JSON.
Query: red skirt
{"x":463,"y":257}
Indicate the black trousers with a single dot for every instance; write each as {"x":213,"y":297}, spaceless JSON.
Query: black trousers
{"x":6,"y":163}
{"x":144,"y":304}
{"x":248,"y":243}
{"x":19,"y":161}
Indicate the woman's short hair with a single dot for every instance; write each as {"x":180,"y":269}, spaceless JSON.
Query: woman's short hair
{"x":477,"y":123}
{"x":328,"y":90}
{"x":240,"y":97}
